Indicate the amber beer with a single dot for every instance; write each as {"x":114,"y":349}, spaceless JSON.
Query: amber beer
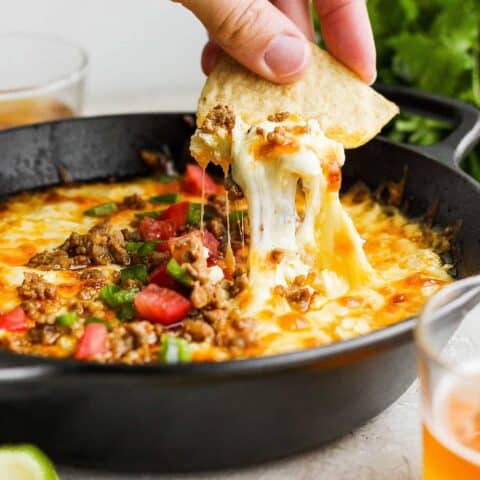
{"x":451,"y":436}
{"x":14,"y":113}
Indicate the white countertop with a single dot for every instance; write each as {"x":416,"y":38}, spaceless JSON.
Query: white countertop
{"x":386,"y":448}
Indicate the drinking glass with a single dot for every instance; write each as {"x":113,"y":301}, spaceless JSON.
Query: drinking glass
{"x":41,"y":78}
{"x":448,"y":339}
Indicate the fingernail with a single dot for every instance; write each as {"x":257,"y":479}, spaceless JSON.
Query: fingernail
{"x":373,"y":78}
{"x":286,"y":55}
{"x":210,"y":55}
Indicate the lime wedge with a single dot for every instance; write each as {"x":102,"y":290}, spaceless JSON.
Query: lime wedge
{"x":25,"y":462}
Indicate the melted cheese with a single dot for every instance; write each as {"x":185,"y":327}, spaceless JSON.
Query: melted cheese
{"x":365,"y":265}
{"x":408,"y":270}
{"x":31,"y":223}
{"x":323,"y":242}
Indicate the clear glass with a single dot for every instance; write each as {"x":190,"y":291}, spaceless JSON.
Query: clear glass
{"x":41,"y":78}
{"x":448,"y":339}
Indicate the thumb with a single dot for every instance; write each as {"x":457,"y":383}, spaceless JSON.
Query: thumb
{"x":256,"y":34}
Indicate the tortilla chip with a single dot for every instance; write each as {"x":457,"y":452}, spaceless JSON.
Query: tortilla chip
{"x":347,"y":110}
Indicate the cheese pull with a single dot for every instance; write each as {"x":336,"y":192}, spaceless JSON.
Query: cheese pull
{"x":289,"y":172}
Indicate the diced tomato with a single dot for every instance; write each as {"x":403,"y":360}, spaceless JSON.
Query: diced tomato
{"x":161,"y":278}
{"x":14,"y":321}
{"x":176,"y":214}
{"x":93,"y":342}
{"x":192,"y":181}
{"x":162,"y":246}
{"x":161,"y":305}
{"x":179,"y":248}
{"x":152,"y":229}
{"x":212,"y":244}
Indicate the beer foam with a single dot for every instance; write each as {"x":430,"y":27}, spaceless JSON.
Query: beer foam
{"x":436,"y":420}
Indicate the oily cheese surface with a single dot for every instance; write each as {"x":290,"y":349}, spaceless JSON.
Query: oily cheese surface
{"x":398,"y":249}
{"x":347,"y":110}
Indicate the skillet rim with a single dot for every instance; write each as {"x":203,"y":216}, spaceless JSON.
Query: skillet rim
{"x":394,"y":334}
{"x":398,"y":333}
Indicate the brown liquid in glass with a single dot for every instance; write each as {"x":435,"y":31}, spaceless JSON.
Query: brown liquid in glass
{"x":14,"y":113}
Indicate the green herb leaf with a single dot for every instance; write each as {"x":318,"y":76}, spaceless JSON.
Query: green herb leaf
{"x":472,"y":165}
{"x":409,"y":128}
{"x":166,"y":198}
{"x":137,"y":272}
{"x":102,"y":210}
{"x":430,"y":65}
{"x":433,"y":45}
{"x":67,"y":319}
{"x":175,"y":270}
{"x":174,"y":350}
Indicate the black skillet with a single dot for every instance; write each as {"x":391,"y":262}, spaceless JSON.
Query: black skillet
{"x":199,"y":416}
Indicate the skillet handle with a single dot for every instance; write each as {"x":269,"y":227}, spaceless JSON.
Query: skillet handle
{"x":464,"y":117}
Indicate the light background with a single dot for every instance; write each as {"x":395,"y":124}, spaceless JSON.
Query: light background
{"x":142,"y":52}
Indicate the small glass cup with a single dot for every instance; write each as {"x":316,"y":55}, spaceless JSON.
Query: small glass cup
{"x":448,"y":339}
{"x":41,"y":78}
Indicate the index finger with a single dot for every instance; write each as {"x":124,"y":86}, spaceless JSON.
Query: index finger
{"x":348,"y":35}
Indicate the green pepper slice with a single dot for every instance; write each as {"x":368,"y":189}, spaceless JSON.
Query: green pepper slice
{"x":166,"y":198}
{"x":153,"y":214}
{"x":194,"y":213}
{"x":175,"y":270}
{"x":67,"y":319}
{"x":137,"y":272}
{"x":174,"y":350}
{"x":101,"y":210}
{"x":114,"y":296}
{"x":164,"y":179}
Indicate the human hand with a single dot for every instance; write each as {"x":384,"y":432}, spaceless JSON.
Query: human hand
{"x":271,"y":37}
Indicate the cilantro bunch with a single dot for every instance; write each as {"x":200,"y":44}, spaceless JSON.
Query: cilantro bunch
{"x":431,"y":45}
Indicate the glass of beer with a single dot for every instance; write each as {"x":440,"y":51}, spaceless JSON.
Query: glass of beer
{"x":448,"y":339}
{"x":41,"y":78}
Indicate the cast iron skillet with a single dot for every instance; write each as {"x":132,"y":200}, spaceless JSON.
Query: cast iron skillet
{"x":203,"y":416}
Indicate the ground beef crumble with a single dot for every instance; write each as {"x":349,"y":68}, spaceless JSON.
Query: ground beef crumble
{"x":101,"y":245}
{"x":279,"y":136}
{"x":278,"y":117}
{"x":222,"y":116}
{"x":34,"y":287}
{"x":212,"y":318}
{"x":133,"y":202}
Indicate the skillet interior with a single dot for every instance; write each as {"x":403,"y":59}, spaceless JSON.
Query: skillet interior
{"x":355,"y":380}
{"x":105,"y":147}
{"x":108,"y":147}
